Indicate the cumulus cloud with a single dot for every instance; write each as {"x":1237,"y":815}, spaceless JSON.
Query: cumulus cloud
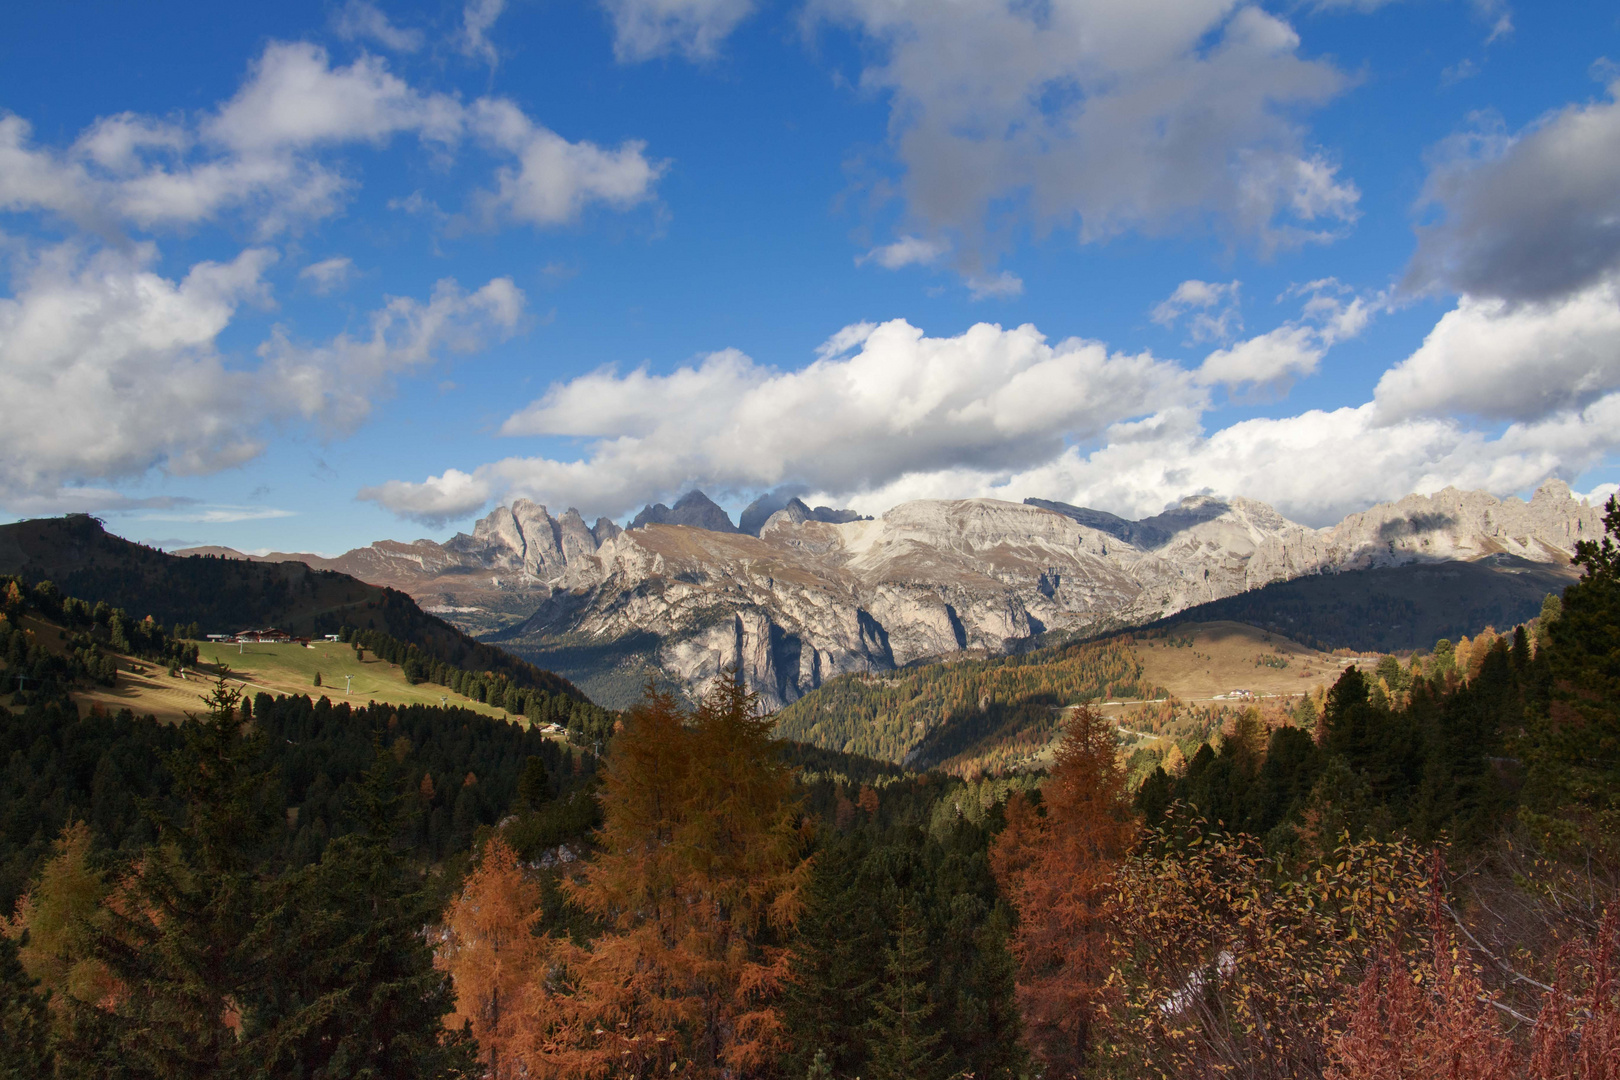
{"x":989,"y":398}
{"x":695,"y":29}
{"x":1292,"y":350}
{"x":359,"y":20}
{"x":554,"y":178}
{"x":328,"y":275}
{"x":1101,"y":117}
{"x":906,"y":251}
{"x":1490,"y":358}
{"x":886,"y":414}
{"x":1271,"y":358}
{"x":260,"y":153}
{"x":110,"y":370}
{"x":1216,"y":311}
{"x":1527,"y":217}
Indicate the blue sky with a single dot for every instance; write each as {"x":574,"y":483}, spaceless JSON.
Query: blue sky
{"x":302,"y":276}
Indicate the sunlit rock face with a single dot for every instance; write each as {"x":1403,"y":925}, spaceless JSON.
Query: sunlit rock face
{"x":807,"y":599}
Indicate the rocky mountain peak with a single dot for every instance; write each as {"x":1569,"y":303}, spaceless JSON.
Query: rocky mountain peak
{"x":694,"y":508}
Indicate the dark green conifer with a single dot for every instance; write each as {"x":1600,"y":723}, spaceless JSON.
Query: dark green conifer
{"x":355,"y":992}
{"x":534,"y":784}
{"x":904,"y":1044}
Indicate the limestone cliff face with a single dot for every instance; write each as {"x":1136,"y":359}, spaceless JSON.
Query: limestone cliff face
{"x":809,"y":599}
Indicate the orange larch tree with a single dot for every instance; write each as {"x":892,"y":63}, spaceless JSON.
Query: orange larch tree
{"x":1056,"y":865}
{"x":492,"y":954}
{"x":696,"y":882}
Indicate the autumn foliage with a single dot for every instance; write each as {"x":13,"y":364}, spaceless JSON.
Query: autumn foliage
{"x":1056,"y":864}
{"x":694,"y":887}
{"x":1431,"y":1018}
{"x":490,"y":951}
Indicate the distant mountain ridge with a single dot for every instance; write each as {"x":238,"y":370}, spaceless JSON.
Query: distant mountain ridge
{"x":808,"y":598}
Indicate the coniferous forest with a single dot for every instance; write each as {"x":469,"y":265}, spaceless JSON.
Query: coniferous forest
{"x":1420,"y":877}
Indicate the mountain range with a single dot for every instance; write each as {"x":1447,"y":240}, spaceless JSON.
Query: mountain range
{"x":803,"y":594}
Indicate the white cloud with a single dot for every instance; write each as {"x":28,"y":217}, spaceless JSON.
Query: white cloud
{"x":334,"y":383}
{"x":1104,"y":117}
{"x":477,"y":17}
{"x":554,"y":178}
{"x":1490,"y":358}
{"x":695,"y":29}
{"x":1292,"y":350}
{"x":1600,"y":495}
{"x":1529,"y":217}
{"x":906,"y":251}
{"x":989,"y":398}
{"x":359,"y":20}
{"x":262,"y":153}
{"x":1218,"y":314}
{"x":328,"y":275}
{"x":1271,"y":358}
{"x":449,"y":495}
{"x":110,"y":370}
{"x":295,"y":99}
{"x":887,"y":414}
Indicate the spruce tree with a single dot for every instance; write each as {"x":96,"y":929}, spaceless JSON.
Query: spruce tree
{"x":904,"y":1044}
{"x":534,"y":785}
{"x":837,"y":961}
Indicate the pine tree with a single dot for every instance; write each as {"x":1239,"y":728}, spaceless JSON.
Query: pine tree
{"x":904,"y":1043}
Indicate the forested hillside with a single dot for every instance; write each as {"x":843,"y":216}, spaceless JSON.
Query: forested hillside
{"x":981,"y":713}
{"x":211,"y":595}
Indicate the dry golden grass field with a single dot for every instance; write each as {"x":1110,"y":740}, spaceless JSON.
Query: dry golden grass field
{"x":1203,"y":661}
